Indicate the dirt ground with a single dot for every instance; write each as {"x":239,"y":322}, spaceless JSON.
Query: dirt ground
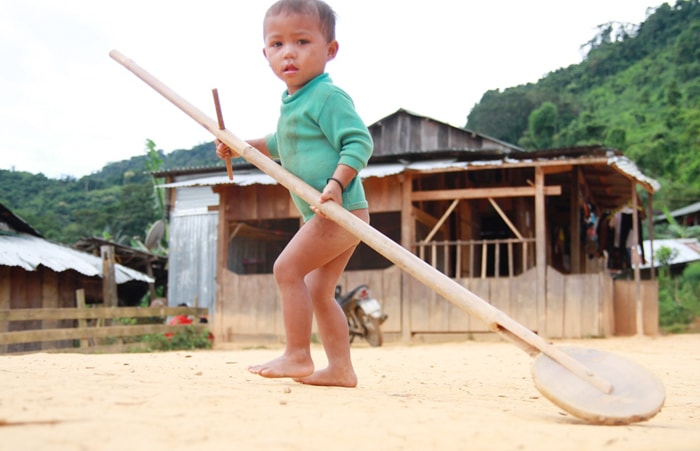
{"x":452,"y":396}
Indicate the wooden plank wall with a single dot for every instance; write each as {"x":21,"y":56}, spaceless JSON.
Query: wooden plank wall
{"x":578,"y":306}
{"x":4,"y":299}
{"x":431,"y":313}
{"x":43,"y":288}
{"x":625,"y":306}
{"x":252,"y":306}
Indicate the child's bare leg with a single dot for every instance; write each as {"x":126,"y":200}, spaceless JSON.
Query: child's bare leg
{"x":316,"y":244}
{"x":332,"y":326}
{"x":331,"y":320}
{"x":297,"y":314}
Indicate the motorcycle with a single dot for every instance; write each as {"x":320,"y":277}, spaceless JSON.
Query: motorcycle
{"x":364,"y":314}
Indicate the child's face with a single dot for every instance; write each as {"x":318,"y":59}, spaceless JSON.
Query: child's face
{"x":296,"y":48}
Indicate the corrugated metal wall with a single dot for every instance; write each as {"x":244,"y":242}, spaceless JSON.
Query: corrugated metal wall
{"x":192,"y":249}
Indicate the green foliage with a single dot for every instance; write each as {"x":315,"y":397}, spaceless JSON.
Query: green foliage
{"x":542,"y":127}
{"x":672,"y":229}
{"x":119,"y":202}
{"x":188,"y":338}
{"x":637,"y":90}
{"x":679,"y":298}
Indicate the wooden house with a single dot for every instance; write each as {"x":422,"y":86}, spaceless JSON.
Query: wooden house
{"x":509,"y":225}
{"x":37,"y":273}
{"x":687,"y":216}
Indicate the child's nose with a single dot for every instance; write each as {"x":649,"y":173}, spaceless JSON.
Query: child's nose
{"x":289,"y":50}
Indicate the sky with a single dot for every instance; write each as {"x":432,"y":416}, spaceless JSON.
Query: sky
{"x":67,"y":108}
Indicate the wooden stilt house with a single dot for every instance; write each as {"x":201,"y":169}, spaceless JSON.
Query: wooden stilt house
{"x":512,"y":226}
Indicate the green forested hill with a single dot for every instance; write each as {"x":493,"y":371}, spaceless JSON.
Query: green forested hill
{"x":637,"y":90}
{"x":109,"y":203}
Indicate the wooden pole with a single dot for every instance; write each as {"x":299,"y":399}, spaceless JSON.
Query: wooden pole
{"x":82,"y":323}
{"x":541,"y":251}
{"x":635,"y":258}
{"x":109,"y":283}
{"x":408,"y":234}
{"x":220,"y":119}
{"x":445,"y":286}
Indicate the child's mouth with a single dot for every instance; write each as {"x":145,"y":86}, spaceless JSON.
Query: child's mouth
{"x":290,"y":69}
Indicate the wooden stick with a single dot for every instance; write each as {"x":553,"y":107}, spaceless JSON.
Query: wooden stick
{"x":220,"y":118}
{"x":446,"y":287}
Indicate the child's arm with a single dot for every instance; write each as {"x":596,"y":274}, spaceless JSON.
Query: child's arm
{"x":224,"y":151}
{"x":342,"y":177}
{"x":261,"y":145}
{"x":335,"y":185}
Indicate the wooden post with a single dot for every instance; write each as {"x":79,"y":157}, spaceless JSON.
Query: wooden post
{"x":223,"y":237}
{"x":5,"y":304}
{"x":650,"y":225}
{"x":151,"y":285}
{"x":49,"y":299}
{"x":575,"y":221}
{"x":82,"y":323}
{"x":408,"y":233}
{"x":109,"y":283}
{"x":636,"y":260}
{"x":541,"y":249}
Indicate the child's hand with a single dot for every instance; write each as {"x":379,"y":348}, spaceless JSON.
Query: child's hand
{"x":331,"y":192}
{"x":223,"y":151}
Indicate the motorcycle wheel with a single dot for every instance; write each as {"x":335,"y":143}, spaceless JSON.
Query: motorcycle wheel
{"x":373,"y":333}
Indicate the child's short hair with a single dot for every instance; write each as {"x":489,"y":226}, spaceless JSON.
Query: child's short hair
{"x":317,"y":8}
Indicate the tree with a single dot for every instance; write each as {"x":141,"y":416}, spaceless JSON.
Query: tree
{"x":542,"y":126}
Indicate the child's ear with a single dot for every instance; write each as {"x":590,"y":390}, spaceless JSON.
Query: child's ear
{"x":332,"y":50}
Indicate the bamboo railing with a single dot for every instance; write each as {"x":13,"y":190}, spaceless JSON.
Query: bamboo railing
{"x":479,"y":258}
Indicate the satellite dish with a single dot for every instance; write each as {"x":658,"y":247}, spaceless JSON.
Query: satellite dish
{"x":155,"y":234}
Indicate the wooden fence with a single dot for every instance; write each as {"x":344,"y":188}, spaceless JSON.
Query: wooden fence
{"x":60,"y":328}
{"x":479,"y":258}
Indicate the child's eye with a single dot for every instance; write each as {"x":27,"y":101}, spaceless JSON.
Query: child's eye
{"x":302,"y":41}
{"x":275,"y":44}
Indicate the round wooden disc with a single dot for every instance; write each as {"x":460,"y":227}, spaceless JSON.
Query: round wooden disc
{"x":637,"y":395}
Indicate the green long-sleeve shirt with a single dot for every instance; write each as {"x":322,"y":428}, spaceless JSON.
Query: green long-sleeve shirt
{"x":318,"y":129}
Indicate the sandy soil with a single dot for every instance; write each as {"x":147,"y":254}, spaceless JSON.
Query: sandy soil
{"x":465,"y":395}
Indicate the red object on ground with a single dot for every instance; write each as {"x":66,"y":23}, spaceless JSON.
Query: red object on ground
{"x":183,"y":319}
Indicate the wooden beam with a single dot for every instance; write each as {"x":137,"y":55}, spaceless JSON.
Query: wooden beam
{"x":557,"y":169}
{"x":422,"y":217}
{"x":503,"y":216}
{"x":636,"y":259}
{"x":541,"y":250}
{"x":408,"y":234}
{"x":442,"y":220}
{"x":483,"y":193}
{"x":544,"y":164}
{"x":109,"y":282}
{"x":222,"y":242}
{"x":574,"y":221}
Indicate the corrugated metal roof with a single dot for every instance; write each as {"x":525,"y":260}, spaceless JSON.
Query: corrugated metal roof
{"x":28,"y":252}
{"x":687,"y":210}
{"x":685,"y":250}
{"x":254,"y":176}
{"x":14,"y":222}
{"x":627,"y":166}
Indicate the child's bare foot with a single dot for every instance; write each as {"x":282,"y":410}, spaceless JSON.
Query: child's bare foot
{"x":284,"y":366}
{"x":330,"y":378}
